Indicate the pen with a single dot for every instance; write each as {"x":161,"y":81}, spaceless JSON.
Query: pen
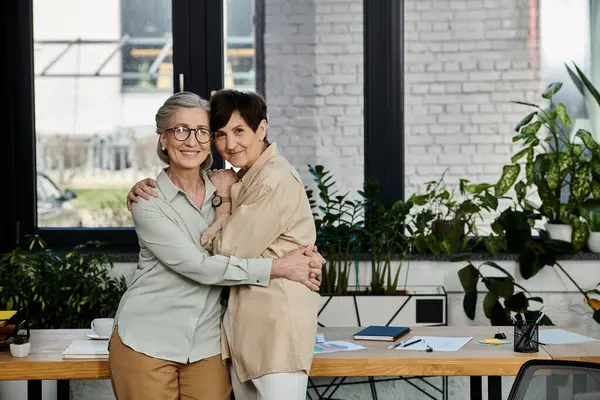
{"x":411,"y":343}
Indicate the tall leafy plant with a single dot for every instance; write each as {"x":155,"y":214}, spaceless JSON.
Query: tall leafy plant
{"x":338,"y":220}
{"x":385,"y":230}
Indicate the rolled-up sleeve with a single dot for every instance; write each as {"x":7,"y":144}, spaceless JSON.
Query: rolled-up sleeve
{"x":178,"y":252}
{"x":254,"y":225}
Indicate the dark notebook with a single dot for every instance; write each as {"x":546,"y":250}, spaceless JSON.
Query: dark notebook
{"x":386,"y":333}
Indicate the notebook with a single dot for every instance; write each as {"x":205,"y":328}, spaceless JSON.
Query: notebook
{"x":86,"y":349}
{"x":386,"y":333}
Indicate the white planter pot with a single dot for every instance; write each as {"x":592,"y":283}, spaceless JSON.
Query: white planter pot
{"x":419,"y":306}
{"x":560,"y":232}
{"x":20,"y":350}
{"x":594,"y":242}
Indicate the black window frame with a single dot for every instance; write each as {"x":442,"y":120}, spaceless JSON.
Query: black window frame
{"x":383,"y":91}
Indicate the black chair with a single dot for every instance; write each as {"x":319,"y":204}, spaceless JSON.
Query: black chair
{"x":557,"y":380}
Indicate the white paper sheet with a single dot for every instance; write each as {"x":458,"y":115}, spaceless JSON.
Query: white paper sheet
{"x":560,"y":336}
{"x":335,"y":346}
{"x":320,"y":338}
{"x":437,"y":343}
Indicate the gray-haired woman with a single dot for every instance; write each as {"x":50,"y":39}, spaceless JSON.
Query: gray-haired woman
{"x":166,"y":341}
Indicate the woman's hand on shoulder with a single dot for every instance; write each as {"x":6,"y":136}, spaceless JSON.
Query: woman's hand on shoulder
{"x":223,"y":179}
{"x":141,"y":189}
{"x":302,"y":265}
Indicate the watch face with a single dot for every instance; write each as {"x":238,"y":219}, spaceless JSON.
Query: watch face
{"x":216,"y":201}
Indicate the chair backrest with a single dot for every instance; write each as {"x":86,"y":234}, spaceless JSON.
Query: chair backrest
{"x":557,"y":380}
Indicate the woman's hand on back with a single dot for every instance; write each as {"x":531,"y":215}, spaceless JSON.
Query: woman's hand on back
{"x":223,"y":179}
{"x":141,"y":189}
{"x":298,"y":266}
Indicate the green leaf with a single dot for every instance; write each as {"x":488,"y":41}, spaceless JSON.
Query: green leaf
{"x":528,"y":263}
{"x":489,"y":301}
{"x":552,"y":89}
{"x":520,"y":190}
{"x":469,"y":276}
{"x":525,"y":121}
{"x":596,"y":189}
{"x":510,"y":173}
{"x":470,"y":304}
{"x":589,"y":141}
{"x":499,"y":317}
{"x":563,"y":116}
{"x":536,"y":299}
{"x":596,"y":316}
{"x":532,"y":128}
{"x":589,"y":86}
{"x":519,"y":155}
{"x":517,"y":302}
{"x":581,"y":232}
{"x":581,"y":185}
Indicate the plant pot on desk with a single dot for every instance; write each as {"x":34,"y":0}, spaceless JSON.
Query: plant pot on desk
{"x":20,"y":350}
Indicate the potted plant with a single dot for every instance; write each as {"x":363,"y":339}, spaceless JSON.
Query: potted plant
{"x":563,"y":173}
{"x":350,"y":231}
{"x":446,"y":221}
{"x":60,"y":290}
{"x":20,"y":346}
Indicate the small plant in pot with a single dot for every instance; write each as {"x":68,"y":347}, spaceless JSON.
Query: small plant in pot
{"x":452,"y":220}
{"x":20,"y":346}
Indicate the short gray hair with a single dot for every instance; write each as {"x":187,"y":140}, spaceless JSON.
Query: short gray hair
{"x":163,"y":119}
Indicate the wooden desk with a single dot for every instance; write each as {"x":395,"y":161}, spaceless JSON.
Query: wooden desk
{"x":475,"y":360}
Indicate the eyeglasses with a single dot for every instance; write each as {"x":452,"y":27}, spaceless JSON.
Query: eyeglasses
{"x":182,"y":133}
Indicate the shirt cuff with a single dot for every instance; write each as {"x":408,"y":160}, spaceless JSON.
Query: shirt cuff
{"x":259,"y":271}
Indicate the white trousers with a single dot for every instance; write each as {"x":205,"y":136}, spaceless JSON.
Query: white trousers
{"x":279,"y":386}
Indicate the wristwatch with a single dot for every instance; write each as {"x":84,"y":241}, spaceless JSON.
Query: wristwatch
{"x":218,"y":200}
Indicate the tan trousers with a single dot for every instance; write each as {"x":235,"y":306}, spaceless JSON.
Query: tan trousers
{"x":136,"y":376}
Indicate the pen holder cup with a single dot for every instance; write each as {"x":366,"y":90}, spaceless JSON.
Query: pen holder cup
{"x":526,"y":338}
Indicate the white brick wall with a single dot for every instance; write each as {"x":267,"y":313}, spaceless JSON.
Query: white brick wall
{"x":464,"y":61}
{"x":314,"y":85}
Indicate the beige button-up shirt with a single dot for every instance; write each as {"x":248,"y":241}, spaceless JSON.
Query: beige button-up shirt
{"x":171,"y":310}
{"x":272,"y":328}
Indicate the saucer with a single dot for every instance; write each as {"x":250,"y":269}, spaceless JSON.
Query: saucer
{"x":95,"y":336}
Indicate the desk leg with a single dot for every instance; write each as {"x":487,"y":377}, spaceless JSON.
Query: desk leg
{"x":494,"y":387}
{"x":476,"y":388}
{"x":34,"y":390}
{"x":63,"y":390}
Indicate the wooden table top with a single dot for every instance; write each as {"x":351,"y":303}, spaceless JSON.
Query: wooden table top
{"x":45,"y":359}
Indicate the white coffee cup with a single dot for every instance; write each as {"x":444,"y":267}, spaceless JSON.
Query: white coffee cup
{"x":103,"y":327}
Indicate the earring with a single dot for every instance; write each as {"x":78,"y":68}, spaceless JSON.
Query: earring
{"x":162,"y":148}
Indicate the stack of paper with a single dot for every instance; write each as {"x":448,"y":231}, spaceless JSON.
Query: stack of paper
{"x":335,"y":346}
{"x":86,"y":349}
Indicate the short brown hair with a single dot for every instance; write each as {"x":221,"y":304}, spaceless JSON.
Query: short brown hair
{"x":250,"y":105}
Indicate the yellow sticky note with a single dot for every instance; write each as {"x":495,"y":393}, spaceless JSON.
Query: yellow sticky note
{"x":5,"y":315}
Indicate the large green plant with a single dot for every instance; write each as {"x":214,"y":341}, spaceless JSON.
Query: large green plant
{"x":338,"y":222}
{"x":555,"y":166}
{"x":385,"y":231}
{"x":60,"y":290}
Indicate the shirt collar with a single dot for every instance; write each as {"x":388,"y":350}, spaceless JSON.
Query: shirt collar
{"x":266,"y":155}
{"x":169,"y":190}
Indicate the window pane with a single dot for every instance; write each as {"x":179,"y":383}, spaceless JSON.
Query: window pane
{"x":102,"y":69}
{"x":240,"y":65}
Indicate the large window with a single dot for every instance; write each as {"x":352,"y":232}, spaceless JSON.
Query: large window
{"x":99,"y":72}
